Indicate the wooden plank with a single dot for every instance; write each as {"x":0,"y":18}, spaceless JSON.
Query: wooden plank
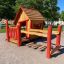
{"x":34,"y":33}
{"x":55,"y":49}
{"x":39,"y":45}
{"x":13,"y":41}
{"x":55,"y":32}
{"x":43,"y":31}
{"x":35,"y":46}
{"x":24,"y":39}
{"x":38,"y":30}
{"x":30,"y":44}
{"x":16,"y":42}
{"x":35,"y":19}
{"x":42,"y":48}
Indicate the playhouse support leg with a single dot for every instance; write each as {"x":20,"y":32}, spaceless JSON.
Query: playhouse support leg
{"x":49,"y":41}
{"x":58,"y":36}
{"x":28,"y":25}
{"x":18,"y":35}
{"x":7,"y":30}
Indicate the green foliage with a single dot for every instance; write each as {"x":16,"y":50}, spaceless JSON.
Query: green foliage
{"x":6,"y":8}
{"x":47,"y":7}
{"x":62,"y":15}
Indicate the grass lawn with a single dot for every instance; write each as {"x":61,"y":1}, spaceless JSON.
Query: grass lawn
{"x":2,"y":31}
{"x":54,"y":29}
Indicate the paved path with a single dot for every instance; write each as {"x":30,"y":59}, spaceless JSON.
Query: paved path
{"x":12,"y":54}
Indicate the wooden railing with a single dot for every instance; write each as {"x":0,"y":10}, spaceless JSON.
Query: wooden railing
{"x":13,"y":33}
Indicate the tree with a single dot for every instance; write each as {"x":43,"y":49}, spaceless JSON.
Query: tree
{"x":47,"y":7}
{"x":6,"y":8}
{"x":62,"y":15}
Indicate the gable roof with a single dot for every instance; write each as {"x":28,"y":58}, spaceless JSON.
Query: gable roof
{"x":33,"y":15}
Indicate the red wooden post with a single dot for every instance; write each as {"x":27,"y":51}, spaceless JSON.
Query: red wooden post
{"x":18,"y":34}
{"x":7,"y":30}
{"x":58,"y":36}
{"x":49,"y":34}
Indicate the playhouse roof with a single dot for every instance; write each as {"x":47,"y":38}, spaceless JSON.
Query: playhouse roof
{"x":33,"y":15}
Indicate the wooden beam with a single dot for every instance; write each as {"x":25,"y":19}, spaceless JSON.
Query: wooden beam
{"x":44,"y":31}
{"x":55,"y":32}
{"x":55,"y":49}
{"x":13,"y":41}
{"x":34,"y":33}
{"x":38,"y":30}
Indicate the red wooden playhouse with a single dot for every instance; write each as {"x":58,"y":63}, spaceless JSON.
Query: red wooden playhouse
{"x":34,"y":23}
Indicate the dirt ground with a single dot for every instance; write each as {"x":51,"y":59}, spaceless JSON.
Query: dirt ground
{"x":12,"y":54}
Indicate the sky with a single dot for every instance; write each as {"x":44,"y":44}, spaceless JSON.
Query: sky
{"x":61,"y":5}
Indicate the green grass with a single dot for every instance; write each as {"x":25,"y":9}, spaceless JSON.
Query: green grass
{"x":2,"y":31}
{"x":54,"y":29}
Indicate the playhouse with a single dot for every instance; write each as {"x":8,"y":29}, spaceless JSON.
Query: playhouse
{"x":31,"y":15}
{"x":34,"y":23}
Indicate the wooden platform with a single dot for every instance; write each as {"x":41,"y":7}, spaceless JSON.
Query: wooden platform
{"x":43,"y":31}
{"x":34,"y":33}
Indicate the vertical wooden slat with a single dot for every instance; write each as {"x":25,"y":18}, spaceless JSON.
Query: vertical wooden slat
{"x":15,"y":33}
{"x":10,"y":32}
